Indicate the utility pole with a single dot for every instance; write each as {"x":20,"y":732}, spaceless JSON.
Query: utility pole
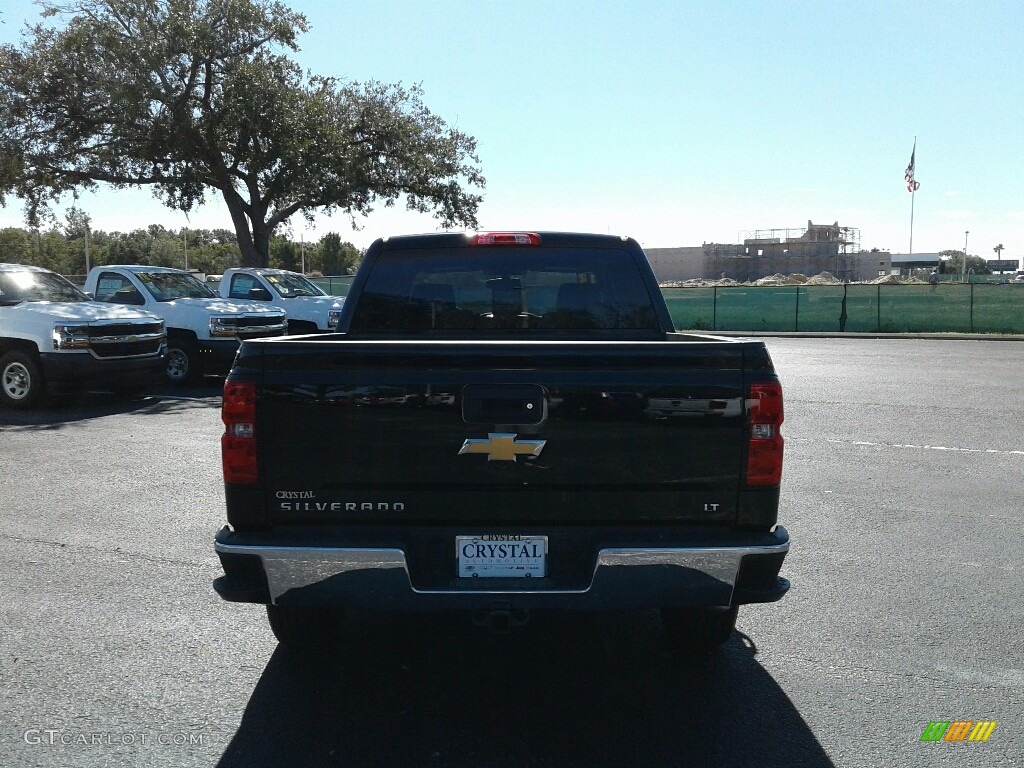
{"x":185,"y":231}
{"x":86,"y":249}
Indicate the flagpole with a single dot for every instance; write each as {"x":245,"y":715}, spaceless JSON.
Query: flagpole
{"x":913,"y":194}
{"x":912,"y":222}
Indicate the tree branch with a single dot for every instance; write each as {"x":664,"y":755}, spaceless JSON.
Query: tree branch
{"x":284,"y":213}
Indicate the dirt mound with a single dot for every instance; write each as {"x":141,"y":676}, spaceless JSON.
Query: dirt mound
{"x":725,"y":282}
{"x":776,"y":280}
{"x":824,"y":278}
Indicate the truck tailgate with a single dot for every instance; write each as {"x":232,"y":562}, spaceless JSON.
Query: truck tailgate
{"x":502,"y":432}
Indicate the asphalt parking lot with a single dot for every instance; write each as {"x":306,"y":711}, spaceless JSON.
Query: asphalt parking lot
{"x":903,"y":492}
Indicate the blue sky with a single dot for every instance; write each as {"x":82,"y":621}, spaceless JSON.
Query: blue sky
{"x":680,"y":123}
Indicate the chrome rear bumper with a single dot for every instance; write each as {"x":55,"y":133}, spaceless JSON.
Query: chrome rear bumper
{"x":622,"y":578}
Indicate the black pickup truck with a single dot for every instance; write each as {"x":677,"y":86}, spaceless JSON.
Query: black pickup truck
{"x":504,"y":422}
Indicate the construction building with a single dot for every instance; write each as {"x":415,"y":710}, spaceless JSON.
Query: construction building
{"x":811,"y":251}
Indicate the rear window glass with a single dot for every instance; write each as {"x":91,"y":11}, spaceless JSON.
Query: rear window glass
{"x":505,"y":288}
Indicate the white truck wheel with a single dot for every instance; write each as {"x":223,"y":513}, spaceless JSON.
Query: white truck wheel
{"x":21,"y":382}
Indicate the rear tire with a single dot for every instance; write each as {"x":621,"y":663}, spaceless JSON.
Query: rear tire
{"x":21,"y":381}
{"x":702,"y":628}
{"x":308,"y":629}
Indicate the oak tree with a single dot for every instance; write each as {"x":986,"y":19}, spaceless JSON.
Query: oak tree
{"x":952,"y":262}
{"x":193,"y":96}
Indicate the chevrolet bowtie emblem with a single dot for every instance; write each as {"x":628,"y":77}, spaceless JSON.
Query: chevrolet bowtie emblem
{"x":503,"y":446}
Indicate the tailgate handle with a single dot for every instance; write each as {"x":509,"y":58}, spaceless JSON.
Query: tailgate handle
{"x":504,"y":404}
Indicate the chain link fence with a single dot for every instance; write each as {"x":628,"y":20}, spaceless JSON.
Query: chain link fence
{"x":943,"y":308}
{"x":335,"y":286}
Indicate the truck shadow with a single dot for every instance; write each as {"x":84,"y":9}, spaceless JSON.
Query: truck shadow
{"x":61,"y":412}
{"x":566,"y":690}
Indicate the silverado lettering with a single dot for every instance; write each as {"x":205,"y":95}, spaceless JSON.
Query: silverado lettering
{"x":657,"y":487}
{"x":337,"y":506}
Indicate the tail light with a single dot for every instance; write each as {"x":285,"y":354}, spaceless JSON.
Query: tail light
{"x":764,"y":449}
{"x":238,"y":444}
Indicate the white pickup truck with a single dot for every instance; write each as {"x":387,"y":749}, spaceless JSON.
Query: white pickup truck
{"x":54,"y":340}
{"x":204,"y":331}
{"x":309,"y":309}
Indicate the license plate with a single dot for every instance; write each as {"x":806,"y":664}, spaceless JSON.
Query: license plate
{"x":502,"y":556}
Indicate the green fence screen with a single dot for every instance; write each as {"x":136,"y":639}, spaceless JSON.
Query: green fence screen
{"x":947,"y":307}
{"x":950,"y":308}
{"x":336,"y":286}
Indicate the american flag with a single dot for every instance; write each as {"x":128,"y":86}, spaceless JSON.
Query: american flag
{"x":912,"y":186}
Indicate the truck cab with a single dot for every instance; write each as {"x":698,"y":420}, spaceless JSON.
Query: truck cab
{"x":204,"y":331}
{"x":309,"y":309}
{"x":54,"y":340}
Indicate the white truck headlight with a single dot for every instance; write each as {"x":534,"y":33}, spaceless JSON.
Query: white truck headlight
{"x":70,"y":336}
{"x":223,"y":326}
